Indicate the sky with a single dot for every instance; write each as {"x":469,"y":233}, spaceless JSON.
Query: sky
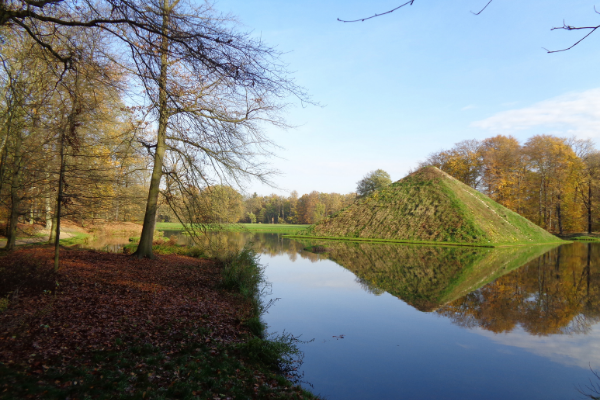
{"x":393,"y":89}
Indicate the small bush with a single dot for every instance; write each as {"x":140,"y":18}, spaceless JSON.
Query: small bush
{"x":196,"y":252}
{"x":256,"y":326}
{"x":242,"y":273}
{"x":278,"y":352}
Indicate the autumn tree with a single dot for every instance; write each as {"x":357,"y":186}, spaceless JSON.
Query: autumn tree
{"x":463,"y":161}
{"x":223,"y":204}
{"x":553,"y":167}
{"x":26,"y":89}
{"x":503,"y":170}
{"x":71,"y":152}
{"x":588,"y":177}
{"x":549,"y":180}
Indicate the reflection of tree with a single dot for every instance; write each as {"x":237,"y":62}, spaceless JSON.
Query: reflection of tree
{"x":557,"y":293}
{"x":426,"y":276}
{"x":272,"y":244}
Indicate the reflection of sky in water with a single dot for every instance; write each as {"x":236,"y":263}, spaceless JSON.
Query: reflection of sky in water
{"x":391,"y":350}
{"x":577,"y":349}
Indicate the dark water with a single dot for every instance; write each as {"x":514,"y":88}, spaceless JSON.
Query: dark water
{"x":423,"y":322}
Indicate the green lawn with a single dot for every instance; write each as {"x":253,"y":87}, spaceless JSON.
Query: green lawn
{"x":264,"y":228}
{"x":168,"y":226}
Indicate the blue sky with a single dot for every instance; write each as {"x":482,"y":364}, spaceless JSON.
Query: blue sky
{"x":396,"y":88}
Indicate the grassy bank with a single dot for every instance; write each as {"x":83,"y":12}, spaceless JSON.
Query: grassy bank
{"x":371,"y":240}
{"x":582,"y":237}
{"x":264,"y":228}
{"x":109,"y":326}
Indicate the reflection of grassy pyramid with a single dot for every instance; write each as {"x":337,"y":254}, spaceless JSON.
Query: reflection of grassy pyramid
{"x":431,"y":206}
{"x":427,"y":277}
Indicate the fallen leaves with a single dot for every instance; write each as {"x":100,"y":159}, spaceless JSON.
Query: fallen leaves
{"x":115,"y":327}
{"x":103,"y":297}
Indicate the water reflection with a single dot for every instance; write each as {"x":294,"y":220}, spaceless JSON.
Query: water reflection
{"x":558,"y":293}
{"x":543,"y":289}
{"x":426,"y":277}
{"x":271,"y":244}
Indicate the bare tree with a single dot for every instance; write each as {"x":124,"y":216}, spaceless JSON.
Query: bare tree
{"x":210,"y":105}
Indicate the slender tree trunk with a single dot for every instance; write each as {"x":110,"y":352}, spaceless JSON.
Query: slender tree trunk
{"x":59,"y":200}
{"x":559,"y":215}
{"x":32,"y":211}
{"x":145,"y":246}
{"x":52,"y":228}
{"x":2,"y":167}
{"x":589,"y":209}
{"x":15,"y":200}
{"x":540,"y":206}
{"x":14,"y":214}
{"x":48,"y":207}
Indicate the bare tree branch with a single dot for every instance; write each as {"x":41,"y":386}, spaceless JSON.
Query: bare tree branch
{"x":408,"y":3}
{"x":483,"y":9}
{"x":574,"y":28}
{"x":564,"y":27}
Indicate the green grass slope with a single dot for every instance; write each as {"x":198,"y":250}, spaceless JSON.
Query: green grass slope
{"x":431,"y":206}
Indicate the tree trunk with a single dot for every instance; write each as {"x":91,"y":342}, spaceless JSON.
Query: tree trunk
{"x":48,"y":209}
{"x":52,"y":229}
{"x":145,"y":246}
{"x":589,"y":210}
{"x":559,"y":216}
{"x":59,"y":200}
{"x":2,"y":167}
{"x":540,"y":206}
{"x":11,"y":234}
{"x":32,"y":211}
{"x":15,"y":200}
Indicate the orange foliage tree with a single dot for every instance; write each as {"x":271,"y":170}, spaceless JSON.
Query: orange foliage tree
{"x":552,"y":181}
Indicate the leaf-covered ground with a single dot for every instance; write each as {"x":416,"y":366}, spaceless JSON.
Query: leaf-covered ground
{"x":112,"y":326}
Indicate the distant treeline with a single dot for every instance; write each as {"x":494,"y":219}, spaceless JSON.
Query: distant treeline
{"x":552,"y":181}
{"x":223,"y":204}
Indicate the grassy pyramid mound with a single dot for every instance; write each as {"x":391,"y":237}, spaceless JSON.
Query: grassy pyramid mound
{"x":430,"y":206}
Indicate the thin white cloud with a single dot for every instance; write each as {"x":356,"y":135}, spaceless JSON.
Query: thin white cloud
{"x":469,"y":107}
{"x":575,"y":349}
{"x":575,"y":114}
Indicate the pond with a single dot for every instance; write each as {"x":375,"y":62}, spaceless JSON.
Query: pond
{"x":424,"y":322}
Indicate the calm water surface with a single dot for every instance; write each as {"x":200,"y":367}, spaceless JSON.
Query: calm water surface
{"x":422,"y":322}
